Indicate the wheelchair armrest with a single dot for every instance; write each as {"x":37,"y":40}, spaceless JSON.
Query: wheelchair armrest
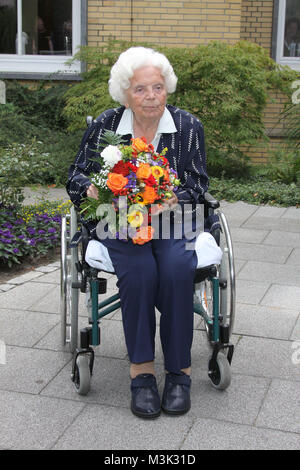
{"x":210,"y":201}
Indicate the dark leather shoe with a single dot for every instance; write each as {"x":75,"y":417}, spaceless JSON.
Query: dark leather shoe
{"x":176,"y":396}
{"x":145,"y":401}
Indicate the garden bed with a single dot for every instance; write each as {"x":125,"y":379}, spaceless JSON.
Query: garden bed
{"x":29,"y":236}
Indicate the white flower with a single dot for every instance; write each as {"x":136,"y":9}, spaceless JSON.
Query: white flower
{"x":111,"y":155}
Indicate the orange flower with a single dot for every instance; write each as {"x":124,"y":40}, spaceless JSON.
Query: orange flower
{"x":143,"y":235}
{"x":143,"y":171}
{"x":116,"y":182}
{"x":149,"y":195}
{"x":140,"y":145}
{"x":166,"y":176}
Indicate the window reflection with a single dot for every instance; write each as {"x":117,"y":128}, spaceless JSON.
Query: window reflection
{"x":47,"y":27}
{"x":291,"y":46}
{"x":8,"y":26}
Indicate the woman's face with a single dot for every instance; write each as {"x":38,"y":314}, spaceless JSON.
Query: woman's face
{"x":147,"y":95}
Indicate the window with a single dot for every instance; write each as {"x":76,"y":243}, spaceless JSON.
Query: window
{"x":288,"y":34}
{"x":38,"y":36}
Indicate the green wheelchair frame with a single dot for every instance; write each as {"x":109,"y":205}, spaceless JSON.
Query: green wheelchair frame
{"x":214,"y":301}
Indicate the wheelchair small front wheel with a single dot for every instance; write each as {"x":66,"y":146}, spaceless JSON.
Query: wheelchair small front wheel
{"x":219,"y":372}
{"x":82,"y":375}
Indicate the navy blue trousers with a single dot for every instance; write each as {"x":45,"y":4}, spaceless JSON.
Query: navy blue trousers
{"x":158,"y":274}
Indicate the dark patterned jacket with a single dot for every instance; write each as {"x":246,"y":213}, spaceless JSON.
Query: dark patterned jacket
{"x":186,"y":155}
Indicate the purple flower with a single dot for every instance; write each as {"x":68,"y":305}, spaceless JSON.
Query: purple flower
{"x":31,"y":230}
{"x":41,"y":232}
{"x":16,"y":250}
{"x":51,"y":229}
{"x":19,"y":222}
{"x":21,"y":236}
{"x":32,"y":242}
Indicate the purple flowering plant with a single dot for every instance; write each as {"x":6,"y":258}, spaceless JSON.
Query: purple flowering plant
{"x":29,"y":231}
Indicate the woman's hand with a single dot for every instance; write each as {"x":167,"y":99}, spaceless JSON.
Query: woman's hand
{"x":92,"y":191}
{"x":168,"y":204}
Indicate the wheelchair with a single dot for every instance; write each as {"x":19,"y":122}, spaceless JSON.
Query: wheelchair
{"x":214,"y":301}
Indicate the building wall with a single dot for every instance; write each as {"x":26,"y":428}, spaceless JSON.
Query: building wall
{"x":187,"y":23}
{"x":168,"y":22}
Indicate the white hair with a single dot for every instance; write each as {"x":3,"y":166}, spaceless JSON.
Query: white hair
{"x":133,"y":59}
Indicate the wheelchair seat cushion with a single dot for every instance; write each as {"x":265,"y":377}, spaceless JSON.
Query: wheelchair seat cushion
{"x":206,"y":248}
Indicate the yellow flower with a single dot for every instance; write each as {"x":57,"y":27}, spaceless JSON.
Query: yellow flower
{"x":139,"y":198}
{"x":157,"y":171}
{"x":135,"y":218}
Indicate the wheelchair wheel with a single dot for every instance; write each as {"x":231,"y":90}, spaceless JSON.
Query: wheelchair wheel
{"x":225,"y":271}
{"x":68,"y":295}
{"x":220,"y":372}
{"x":82,"y":375}
{"x":227,"y":276}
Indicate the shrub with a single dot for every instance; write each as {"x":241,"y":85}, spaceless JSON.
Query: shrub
{"x":52,"y":157}
{"x":284,"y":165}
{"x":42,"y":104}
{"x":226,"y":86}
{"x":256,"y":191}
{"x":19,"y":165}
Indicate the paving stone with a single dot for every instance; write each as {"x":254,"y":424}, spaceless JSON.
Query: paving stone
{"x":30,"y":370}
{"x":24,"y":328}
{"x":295,"y":336}
{"x":24,"y":296}
{"x":33,"y":422}
{"x":263,"y":321}
{"x":274,"y":223}
{"x":282,"y":297}
{"x":238,"y":213}
{"x":49,"y":302}
{"x":294,"y":258}
{"x":110,"y":383}
{"x":210,"y":434}
{"x":127,"y":432}
{"x":47,"y":269}
{"x":250,"y":292}
{"x":283,"y":238}
{"x":263,"y":357}
{"x":247,"y":235}
{"x":274,"y":273}
{"x":50,"y":277}
{"x":257,"y":252}
{"x":269,"y":211}
{"x":239,"y":403}
{"x":281,"y":408}
{"x":292,"y":213}
{"x":6,"y":287}
{"x":24,"y":277}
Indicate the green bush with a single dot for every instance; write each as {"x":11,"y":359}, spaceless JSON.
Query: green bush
{"x":226,"y":86}
{"x":41,"y":104}
{"x":284,"y":165}
{"x":17,"y":130}
{"x":256,"y":191}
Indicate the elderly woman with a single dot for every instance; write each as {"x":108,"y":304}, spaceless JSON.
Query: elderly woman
{"x":159,"y":273}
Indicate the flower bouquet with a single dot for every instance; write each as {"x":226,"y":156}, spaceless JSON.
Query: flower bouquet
{"x":134,"y":182}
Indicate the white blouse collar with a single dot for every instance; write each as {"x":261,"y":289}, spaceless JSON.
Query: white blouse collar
{"x":165,"y":126}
